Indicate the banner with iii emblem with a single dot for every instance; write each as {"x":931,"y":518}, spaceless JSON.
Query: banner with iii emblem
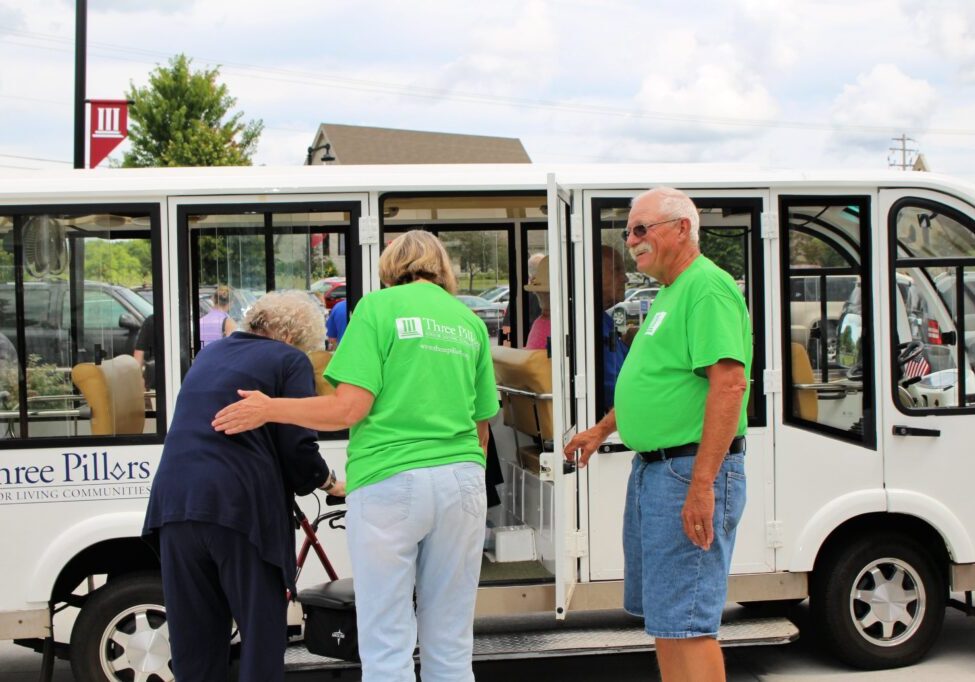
{"x":108,"y":125}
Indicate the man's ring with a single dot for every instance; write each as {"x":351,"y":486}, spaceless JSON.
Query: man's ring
{"x":698,"y":527}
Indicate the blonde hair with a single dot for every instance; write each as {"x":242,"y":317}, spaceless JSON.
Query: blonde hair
{"x":417,"y":255}
{"x":289,"y":316}
{"x":221,"y":295}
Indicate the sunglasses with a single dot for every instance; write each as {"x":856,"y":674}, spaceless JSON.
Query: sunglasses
{"x":640,"y":231}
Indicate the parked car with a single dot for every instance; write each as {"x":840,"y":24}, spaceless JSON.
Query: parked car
{"x":498,"y":294}
{"x":490,"y":313}
{"x":331,"y":289}
{"x":634,"y":307}
{"x":112,"y":317}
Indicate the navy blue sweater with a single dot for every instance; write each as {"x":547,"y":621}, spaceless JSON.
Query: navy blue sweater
{"x":245,"y":482}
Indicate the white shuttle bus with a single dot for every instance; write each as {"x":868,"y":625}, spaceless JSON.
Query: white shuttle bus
{"x":860,"y":455}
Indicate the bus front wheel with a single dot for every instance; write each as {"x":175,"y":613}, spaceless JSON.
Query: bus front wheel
{"x":121,"y":633}
{"x":878,"y":602}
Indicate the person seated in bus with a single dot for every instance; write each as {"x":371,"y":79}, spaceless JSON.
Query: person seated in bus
{"x":504,"y":336}
{"x":613,"y":348}
{"x":541,"y":329}
{"x":681,"y":405}
{"x":338,"y":320}
{"x":220,"y":508}
{"x":416,"y":513}
{"x":144,"y":351}
{"x":217,"y":323}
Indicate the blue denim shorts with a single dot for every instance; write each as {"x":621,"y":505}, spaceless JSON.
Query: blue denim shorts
{"x":678,"y":588}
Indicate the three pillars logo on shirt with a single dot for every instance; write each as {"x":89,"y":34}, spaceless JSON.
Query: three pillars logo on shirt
{"x":409,"y":327}
{"x":655,"y":323}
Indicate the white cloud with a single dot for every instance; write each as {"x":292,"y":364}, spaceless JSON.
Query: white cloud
{"x":688,"y":79}
{"x":884,"y":97}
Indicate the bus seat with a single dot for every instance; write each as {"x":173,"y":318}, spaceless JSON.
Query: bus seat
{"x":806,"y":402}
{"x":115,"y":394}
{"x":319,"y":361}
{"x":800,"y":335}
{"x":529,"y":371}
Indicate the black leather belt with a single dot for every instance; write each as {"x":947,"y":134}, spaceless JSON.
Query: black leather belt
{"x":688,"y":450}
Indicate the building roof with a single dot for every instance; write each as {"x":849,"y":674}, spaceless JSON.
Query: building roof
{"x":361,"y":145}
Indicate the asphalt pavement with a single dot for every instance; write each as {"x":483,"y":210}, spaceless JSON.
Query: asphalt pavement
{"x":951,"y":660}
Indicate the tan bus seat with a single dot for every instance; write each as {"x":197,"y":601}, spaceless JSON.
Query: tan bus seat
{"x":529,"y":371}
{"x":805,"y":401}
{"x":115,"y":394}
{"x":319,"y":361}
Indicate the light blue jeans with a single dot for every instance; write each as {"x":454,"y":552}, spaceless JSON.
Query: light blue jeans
{"x":422,"y":528}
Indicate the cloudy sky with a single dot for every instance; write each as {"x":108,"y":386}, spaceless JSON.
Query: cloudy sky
{"x":779,"y":83}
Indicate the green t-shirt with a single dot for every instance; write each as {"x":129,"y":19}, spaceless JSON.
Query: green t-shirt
{"x":698,"y":320}
{"x":426,"y":358}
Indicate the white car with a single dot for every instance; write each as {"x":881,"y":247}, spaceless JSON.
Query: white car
{"x":634,"y":306}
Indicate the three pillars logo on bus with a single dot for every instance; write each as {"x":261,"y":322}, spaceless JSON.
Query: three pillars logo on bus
{"x":75,"y":475}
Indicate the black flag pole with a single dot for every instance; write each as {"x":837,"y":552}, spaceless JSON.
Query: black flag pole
{"x":80,"y":39}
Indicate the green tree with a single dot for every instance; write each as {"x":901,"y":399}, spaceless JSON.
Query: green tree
{"x":182,"y":118}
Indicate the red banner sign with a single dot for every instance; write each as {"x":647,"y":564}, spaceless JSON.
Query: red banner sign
{"x":108,"y":124}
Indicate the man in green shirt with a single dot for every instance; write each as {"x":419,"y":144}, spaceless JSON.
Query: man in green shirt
{"x":680,"y":404}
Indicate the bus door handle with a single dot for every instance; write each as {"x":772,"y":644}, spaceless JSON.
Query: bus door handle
{"x":913,"y":431}
{"x":613,"y":447}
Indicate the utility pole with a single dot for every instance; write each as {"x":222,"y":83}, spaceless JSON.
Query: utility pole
{"x":80,"y":39}
{"x":907,"y":155}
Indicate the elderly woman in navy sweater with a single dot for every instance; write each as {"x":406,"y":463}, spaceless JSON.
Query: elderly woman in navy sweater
{"x":220,"y":506}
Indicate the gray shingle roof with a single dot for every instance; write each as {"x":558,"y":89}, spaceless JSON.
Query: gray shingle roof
{"x":365,"y":145}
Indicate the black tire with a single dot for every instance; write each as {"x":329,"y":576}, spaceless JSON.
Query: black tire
{"x":122,"y":630}
{"x":879,"y":602}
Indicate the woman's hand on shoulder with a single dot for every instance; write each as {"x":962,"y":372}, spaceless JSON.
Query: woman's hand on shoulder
{"x":252,"y":412}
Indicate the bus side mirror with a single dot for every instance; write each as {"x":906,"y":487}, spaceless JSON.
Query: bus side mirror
{"x":949,"y":338}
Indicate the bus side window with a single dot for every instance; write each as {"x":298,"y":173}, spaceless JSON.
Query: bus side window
{"x":827,"y":383}
{"x":934,"y":307}
{"x":70,"y":307}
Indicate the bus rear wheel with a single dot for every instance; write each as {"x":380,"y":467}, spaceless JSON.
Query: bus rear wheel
{"x":879,"y":602}
{"x":121,"y":633}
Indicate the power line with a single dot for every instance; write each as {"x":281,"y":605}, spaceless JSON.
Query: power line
{"x":424,"y":92}
{"x":32,"y":158}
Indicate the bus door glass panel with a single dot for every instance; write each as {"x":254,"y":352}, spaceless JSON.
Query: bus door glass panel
{"x":77,"y":274}
{"x":934,"y":310}
{"x":827,"y":368}
{"x":245,"y":253}
{"x":228,"y":254}
{"x":624,"y":295}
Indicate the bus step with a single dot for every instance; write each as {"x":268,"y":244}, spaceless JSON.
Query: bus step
{"x":566,"y":641}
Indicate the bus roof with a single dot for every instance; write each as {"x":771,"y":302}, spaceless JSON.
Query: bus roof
{"x":135,"y":183}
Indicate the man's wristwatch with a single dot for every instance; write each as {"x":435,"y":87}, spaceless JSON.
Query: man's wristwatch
{"x":329,"y":482}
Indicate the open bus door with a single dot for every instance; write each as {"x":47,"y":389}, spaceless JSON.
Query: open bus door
{"x":567,"y":538}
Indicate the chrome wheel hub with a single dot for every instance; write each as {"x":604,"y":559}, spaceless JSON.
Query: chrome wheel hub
{"x":136,"y":643}
{"x":887,"y":602}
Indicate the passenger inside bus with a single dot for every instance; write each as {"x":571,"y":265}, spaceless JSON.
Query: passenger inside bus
{"x":541,"y":329}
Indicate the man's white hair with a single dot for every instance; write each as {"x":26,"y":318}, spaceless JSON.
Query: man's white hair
{"x":674,"y":204}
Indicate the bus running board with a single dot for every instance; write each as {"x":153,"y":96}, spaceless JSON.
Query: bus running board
{"x":575,"y":641}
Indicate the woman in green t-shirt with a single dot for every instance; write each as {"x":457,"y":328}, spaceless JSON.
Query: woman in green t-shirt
{"x":415,"y":385}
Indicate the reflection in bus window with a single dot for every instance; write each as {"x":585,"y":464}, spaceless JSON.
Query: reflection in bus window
{"x":935,"y":336}
{"x":79,"y":320}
